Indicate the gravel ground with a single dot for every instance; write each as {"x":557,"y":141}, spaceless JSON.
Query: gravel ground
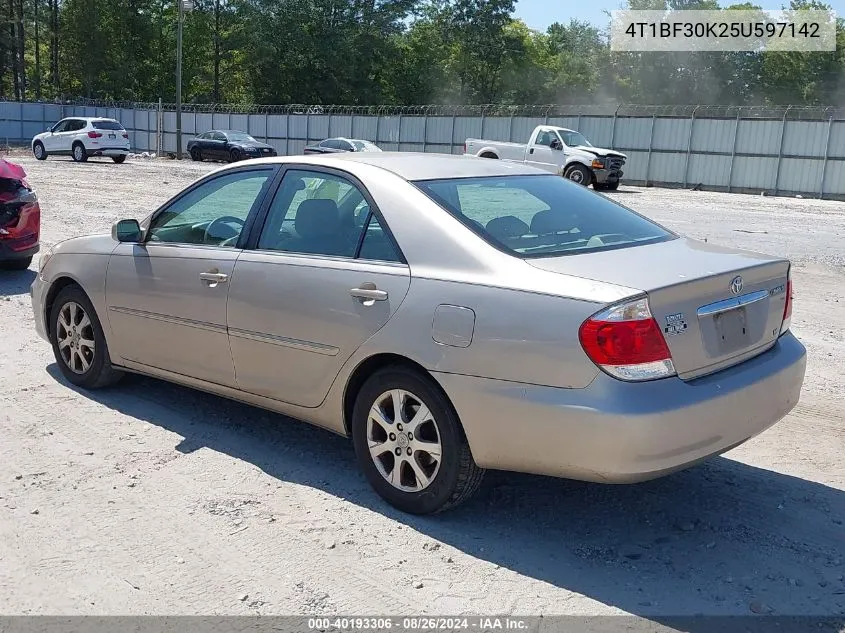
{"x":153,"y":499}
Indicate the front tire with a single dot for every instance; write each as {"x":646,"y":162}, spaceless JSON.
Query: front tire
{"x":234,"y":156}
{"x":38,"y":151}
{"x":79,"y":344}
{"x":79,"y":153}
{"x":410,"y":444}
{"x":579,"y":174}
{"x":120,"y":158}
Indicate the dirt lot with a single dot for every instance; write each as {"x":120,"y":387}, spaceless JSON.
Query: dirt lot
{"x":150,"y":498}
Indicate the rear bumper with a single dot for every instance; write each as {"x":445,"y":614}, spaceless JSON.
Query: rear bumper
{"x":11,"y":249}
{"x":107,"y":151}
{"x":618,"y":432}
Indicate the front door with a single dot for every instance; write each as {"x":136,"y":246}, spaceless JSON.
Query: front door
{"x":167,"y":297}
{"x":53,"y":141}
{"x":325,"y":277}
{"x":541,"y":154}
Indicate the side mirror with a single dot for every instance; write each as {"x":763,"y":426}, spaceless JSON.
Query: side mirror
{"x":126,"y":231}
{"x":556,"y":144}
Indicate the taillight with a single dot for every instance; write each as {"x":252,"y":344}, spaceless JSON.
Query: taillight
{"x":626,"y":342}
{"x":94,"y":134}
{"x":125,"y":135}
{"x":787,"y":307}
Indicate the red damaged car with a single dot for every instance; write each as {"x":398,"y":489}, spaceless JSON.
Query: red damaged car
{"x":20,"y":218}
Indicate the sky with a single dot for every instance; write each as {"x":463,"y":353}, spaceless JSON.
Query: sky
{"x":539,"y":14}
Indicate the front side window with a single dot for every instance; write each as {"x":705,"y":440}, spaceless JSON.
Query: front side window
{"x":61,"y":126}
{"x":324,"y":214}
{"x":542,"y":216}
{"x":214,"y":213}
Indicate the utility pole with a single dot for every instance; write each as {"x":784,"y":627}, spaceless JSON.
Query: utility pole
{"x":180,"y":17}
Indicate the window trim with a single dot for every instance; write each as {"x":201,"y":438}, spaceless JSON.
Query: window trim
{"x":257,"y":207}
{"x":257,"y":228}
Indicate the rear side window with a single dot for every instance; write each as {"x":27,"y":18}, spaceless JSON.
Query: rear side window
{"x":542,"y":216}
{"x":107,"y":125}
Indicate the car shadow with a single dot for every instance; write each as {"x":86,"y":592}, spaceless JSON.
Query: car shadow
{"x":724,"y":538}
{"x":15,"y":282}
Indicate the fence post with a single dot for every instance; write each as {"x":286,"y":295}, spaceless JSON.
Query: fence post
{"x":579,"y":119}
{"x":378,"y":126}
{"x":399,"y":133}
{"x":733,"y":151}
{"x":452,"y":137}
{"x":267,"y":126}
{"x":613,"y":127}
{"x":780,"y":149}
{"x":287,"y":132}
{"x":330,"y":124}
{"x":689,"y":145}
{"x":483,"y":111}
{"x":650,"y":143}
{"x":425,"y":130}
{"x":826,"y":154}
{"x":510,"y":128}
{"x":307,"y":125}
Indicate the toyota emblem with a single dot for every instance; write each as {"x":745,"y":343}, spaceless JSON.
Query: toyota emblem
{"x":736,"y":285}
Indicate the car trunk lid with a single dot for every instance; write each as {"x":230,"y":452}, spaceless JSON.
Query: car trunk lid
{"x":716,"y":307}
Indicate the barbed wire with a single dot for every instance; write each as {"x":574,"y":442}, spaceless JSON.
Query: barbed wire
{"x":807,"y":113}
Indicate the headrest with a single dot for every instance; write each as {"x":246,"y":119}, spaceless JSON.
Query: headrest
{"x":317,"y":218}
{"x":553,"y":221}
{"x":507,"y":226}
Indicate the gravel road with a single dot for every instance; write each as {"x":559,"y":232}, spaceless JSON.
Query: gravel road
{"x":153,"y":499}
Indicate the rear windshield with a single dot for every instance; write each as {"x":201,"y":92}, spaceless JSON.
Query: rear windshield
{"x":542,"y":216}
{"x":107,"y":125}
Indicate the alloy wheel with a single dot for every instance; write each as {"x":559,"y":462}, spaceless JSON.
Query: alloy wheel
{"x":404,"y":440}
{"x":75,"y":337}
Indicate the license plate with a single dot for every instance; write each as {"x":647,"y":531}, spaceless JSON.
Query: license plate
{"x":732,"y":328}
{"x":112,"y":136}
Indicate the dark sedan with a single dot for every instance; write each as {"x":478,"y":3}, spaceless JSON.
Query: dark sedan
{"x":228,"y":145}
{"x":334,"y":145}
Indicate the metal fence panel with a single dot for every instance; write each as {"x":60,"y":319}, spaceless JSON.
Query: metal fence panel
{"x":257,"y":126}
{"x":800,"y":174}
{"x":635,"y":169}
{"x":497,"y":130}
{"x":438,"y":131}
{"x":239,"y":122}
{"x":598,"y":130}
{"x":755,"y":173}
{"x":389,"y":131}
{"x":365,"y":127}
{"x":671,"y":134}
{"x":759,"y":137}
{"x":834,"y":183}
{"x":633,"y":134}
{"x":412,"y":130}
{"x":665,"y":168}
{"x":837,"y":140}
{"x":805,"y":138}
{"x":709,"y":169}
{"x":318,"y":128}
{"x":522,"y":127}
{"x":467,"y":127}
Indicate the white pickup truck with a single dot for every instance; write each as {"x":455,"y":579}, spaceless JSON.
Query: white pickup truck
{"x":560,"y":151}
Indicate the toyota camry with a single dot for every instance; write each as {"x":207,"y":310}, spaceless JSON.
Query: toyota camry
{"x":449,"y":314}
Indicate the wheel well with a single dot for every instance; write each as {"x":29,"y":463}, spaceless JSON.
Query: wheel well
{"x":488,"y":155}
{"x":55,"y":288}
{"x":368,"y":368}
{"x":38,"y":142}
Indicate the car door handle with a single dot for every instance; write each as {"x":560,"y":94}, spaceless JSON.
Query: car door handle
{"x":531,"y":151}
{"x":214,"y":278}
{"x":368,"y":292}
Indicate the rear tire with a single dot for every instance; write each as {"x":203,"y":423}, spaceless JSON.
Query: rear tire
{"x":38,"y":151}
{"x":79,"y":153}
{"x":79,"y":344}
{"x":196,"y":155}
{"x":120,"y":158}
{"x":489,"y":155}
{"x":16,"y":264}
{"x":578,"y":174}
{"x":415,"y":482}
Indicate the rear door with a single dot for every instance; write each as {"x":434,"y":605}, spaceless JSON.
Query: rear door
{"x":325,"y":276}
{"x":540,"y":153}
